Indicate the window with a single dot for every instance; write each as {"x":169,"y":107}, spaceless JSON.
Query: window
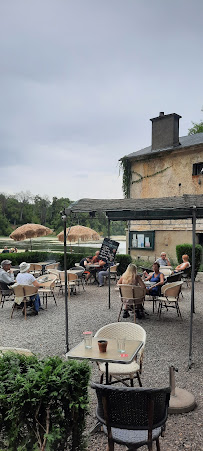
{"x":142,"y":240}
{"x":197,"y":169}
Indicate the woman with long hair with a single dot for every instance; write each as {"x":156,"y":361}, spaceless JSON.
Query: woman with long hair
{"x":130,"y":277}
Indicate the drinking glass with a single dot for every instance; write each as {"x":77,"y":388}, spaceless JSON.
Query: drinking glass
{"x":87,"y":337}
{"x":121,"y":344}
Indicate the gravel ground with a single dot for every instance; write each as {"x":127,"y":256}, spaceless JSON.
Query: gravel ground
{"x":167,"y":344}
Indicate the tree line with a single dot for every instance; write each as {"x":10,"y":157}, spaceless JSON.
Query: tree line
{"x":23,"y":208}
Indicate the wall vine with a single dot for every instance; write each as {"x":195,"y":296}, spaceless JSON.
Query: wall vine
{"x":125,"y":165}
{"x":147,"y":176}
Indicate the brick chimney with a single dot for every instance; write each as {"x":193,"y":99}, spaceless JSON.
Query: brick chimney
{"x":165,"y":131}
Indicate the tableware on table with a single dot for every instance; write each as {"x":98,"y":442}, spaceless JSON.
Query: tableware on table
{"x":121,"y":344}
{"x":102,"y":345}
{"x":87,"y":337}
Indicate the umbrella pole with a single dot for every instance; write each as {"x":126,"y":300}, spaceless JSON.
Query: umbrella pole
{"x":31,"y":244}
{"x":192,"y":306}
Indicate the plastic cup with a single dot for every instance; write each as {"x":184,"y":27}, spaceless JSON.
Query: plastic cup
{"x":121,"y":344}
{"x":87,"y":337}
{"x":102,"y":345}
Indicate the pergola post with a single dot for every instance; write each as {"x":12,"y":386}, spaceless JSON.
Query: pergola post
{"x":109,"y":223}
{"x":64,"y":218}
{"x":192,"y":307}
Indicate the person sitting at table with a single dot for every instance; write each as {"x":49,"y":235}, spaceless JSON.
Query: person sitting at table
{"x":157,"y":278}
{"x":6,"y":250}
{"x":25,"y":278}
{"x":163,"y":260}
{"x":84,"y":263}
{"x":184,"y":265}
{"x":6,"y":275}
{"x":95,"y":259}
{"x":103,"y":270}
{"x":130,"y":277}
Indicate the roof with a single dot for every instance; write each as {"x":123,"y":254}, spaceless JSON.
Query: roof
{"x":129,"y":209}
{"x":185,"y":141}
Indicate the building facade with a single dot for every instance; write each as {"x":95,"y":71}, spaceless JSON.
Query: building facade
{"x":171,"y":166}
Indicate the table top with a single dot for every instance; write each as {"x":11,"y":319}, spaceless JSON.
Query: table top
{"x":132,"y":347}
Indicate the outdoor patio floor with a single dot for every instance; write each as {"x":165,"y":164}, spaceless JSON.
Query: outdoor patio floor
{"x":167,"y":344}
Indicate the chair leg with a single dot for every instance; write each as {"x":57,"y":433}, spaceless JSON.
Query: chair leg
{"x":120,"y":312}
{"x":25,"y":310}
{"x":131,"y":382}
{"x":101,"y":378}
{"x":13,"y":308}
{"x":46,"y":300}
{"x":139,"y":380}
{"x":158,"y":444}
{"x":54,"y":298}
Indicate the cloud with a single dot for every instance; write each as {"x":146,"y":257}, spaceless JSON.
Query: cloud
{"x":79,"y":82}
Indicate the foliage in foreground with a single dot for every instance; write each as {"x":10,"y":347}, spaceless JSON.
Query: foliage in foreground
{"x":42,"y":403}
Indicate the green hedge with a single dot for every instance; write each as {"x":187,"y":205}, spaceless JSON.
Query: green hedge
{"x":71,"y":259}
{"x":43,"y":403}
{"x":124,"y":260}
{"x":182,"y":249}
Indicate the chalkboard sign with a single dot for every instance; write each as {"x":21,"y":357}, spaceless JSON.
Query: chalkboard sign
{"x":108,"y":249}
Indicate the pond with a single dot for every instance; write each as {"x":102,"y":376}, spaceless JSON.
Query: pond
{"x":51,"y":244}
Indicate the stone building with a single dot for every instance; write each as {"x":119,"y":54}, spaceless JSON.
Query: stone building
{"x":171,"y":166}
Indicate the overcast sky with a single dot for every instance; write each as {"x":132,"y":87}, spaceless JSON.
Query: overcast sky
{"x":79,"y":81}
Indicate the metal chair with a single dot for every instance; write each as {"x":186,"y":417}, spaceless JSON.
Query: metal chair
{"x":132,"y":294}
{"x":129,"y":371}
{"x":170,"y":293}
{"x":133,"y":417}
{"x":186,"y":276}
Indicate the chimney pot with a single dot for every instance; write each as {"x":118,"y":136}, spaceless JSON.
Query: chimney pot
{"x":161,"y":113}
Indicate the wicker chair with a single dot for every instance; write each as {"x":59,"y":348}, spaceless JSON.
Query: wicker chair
{"x":170,"y":297}
{"x":132,"y":294}
{"x":24,"y":292}
{"x":133,"y":417}
{"x":129,"y":371}
{"x":47,"y":289}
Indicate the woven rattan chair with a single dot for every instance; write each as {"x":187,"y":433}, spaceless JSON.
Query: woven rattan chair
{"x":129,"y":371}
{"x":132,"y":416}
{"x":133,"y":295}
{"x":47,"y":290}
{"x":170,"y":297}
{"x":24,"y":292}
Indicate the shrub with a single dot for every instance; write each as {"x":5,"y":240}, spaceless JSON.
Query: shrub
{"x":182,"y":249}
{"x":43,"y":403}
{"x":124,"y":260}
{"x":30,"y":257}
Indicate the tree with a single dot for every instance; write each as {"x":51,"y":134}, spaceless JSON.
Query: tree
{"x":197,"y":128}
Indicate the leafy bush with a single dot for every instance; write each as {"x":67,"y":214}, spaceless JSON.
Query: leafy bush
{"x":30,"y":257}
{"x":182,"y":249}
{"x":124,"y":260}
{"x":43,"y":404}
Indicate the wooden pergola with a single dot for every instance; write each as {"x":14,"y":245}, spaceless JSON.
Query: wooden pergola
{"x":187,"y":206}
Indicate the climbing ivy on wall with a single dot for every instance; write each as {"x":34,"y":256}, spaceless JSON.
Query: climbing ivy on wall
{"x":125,"y":165}
{"x":141,"y":177}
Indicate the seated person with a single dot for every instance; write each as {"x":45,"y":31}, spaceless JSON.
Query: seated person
{"x":95,"y":259}
{"x":158,"y":278}
{"x":130,"y":277}
{"x":163,"y":260}
{"x":24,"y":278}
{"x":6,"y":275}
{"x":84,"y":263}
{"x":103,"y":270}
{"x":184,"y":265}
{"x":6,"y":250}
